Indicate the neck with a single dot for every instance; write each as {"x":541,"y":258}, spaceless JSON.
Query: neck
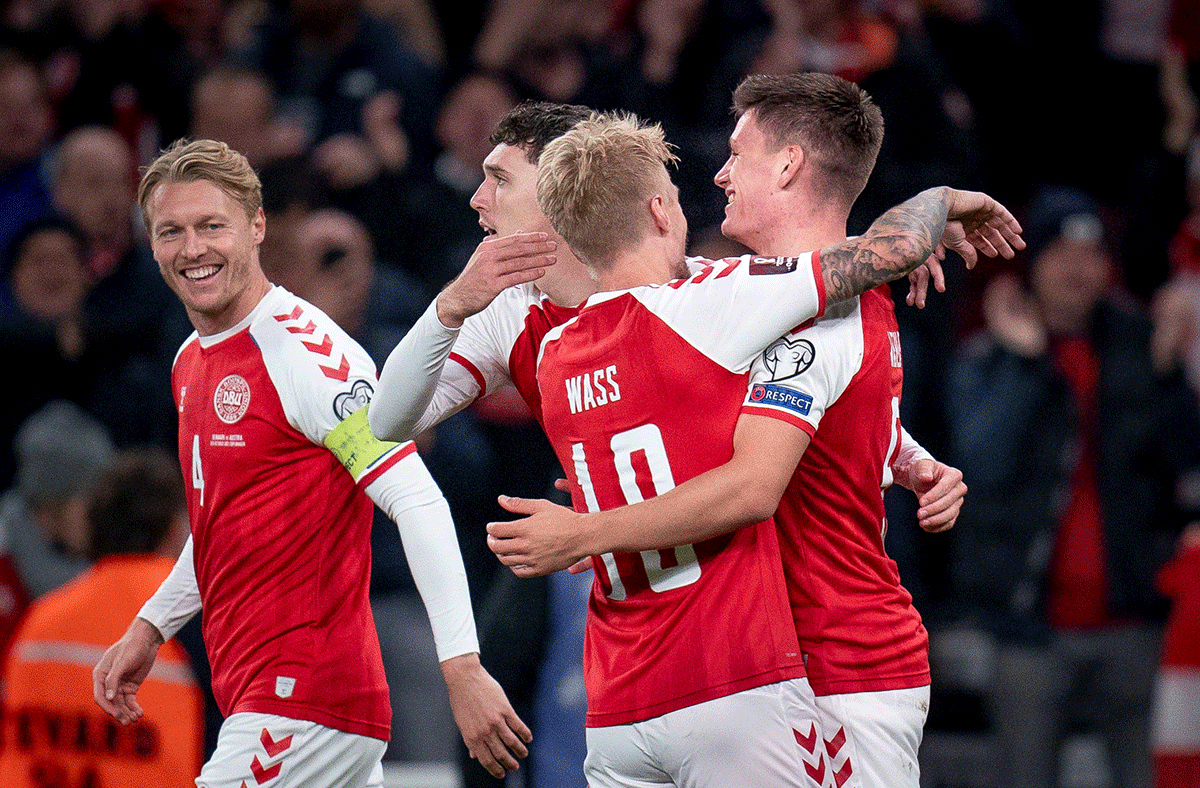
{"x":568,"y":282}
{"x":208,"y":324}
{"x":791,"y":237}
{"x":652,"y":262}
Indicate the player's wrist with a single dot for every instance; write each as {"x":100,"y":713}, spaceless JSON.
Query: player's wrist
{"x":449,"y":313}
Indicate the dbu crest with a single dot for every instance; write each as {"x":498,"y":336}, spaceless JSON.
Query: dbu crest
{"x":232,"y":398}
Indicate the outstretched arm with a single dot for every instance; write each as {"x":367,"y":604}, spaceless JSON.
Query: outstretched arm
{"x":744,"y":490}
{"x":907,"y":235}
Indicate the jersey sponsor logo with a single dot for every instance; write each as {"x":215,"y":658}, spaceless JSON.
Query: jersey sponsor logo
{"x":894,"y":342}
{"x":231,"y":400}
{"x":764,"y":266}
{"x":780,"y":396}
{"x":182,"y":394}
{"x":787,"y":358}
{"x":593,"y":389}
{"x":346,"y":402}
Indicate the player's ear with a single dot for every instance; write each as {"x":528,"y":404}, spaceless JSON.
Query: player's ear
{"x":791,"y":160}
{"x":658,"y":210}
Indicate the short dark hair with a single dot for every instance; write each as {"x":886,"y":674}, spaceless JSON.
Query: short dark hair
{"x":532,"y":124}
{"x":52,"y":222}
{"x":134,"y":505}
{"x":833,"y":119}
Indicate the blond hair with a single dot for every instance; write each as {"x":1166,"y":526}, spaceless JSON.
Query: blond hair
{"x":202,"y":160}
{"x":594,"y":180}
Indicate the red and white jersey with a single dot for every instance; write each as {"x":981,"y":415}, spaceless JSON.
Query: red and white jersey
{"x":280,"y":527}
{"x":499,"y":345}
{"x":639,"y":392}
{"x":840,"y":380}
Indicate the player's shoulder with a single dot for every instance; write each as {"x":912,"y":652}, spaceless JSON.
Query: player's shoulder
{"x":287,"y":324}
{"x":189,"y":345}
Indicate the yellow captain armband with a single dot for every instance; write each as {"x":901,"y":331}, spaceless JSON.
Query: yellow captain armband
{"x":355,"y":446}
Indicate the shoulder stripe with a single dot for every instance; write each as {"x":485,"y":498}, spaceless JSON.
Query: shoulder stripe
{"x":779,"y":414}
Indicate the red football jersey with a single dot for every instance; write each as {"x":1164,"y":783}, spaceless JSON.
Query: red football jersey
{"x":639,"y":392}
{"x":840,"y":380}
{"x":281,"y":530}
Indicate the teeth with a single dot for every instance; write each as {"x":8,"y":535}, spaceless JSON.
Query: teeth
{"x":202,"y":272}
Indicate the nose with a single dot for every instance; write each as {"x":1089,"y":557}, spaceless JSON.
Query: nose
{"x":722,"y":176}
{"x":477,"y":199}
{"x":193,"y":247}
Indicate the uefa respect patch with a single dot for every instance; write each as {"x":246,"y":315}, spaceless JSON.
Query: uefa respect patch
{"x":781,"y":397}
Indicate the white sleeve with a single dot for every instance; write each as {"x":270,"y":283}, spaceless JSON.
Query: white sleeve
{"x":410,"y":376}
{"x":408,"y":494}
{"x":910,"y":452}
{"x":177,"y":599}
{"x":417,"y":389}
{"x":799,"y":376}
{"x":733,"y":309}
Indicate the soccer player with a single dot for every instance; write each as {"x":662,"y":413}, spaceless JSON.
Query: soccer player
{"x":691,"y":651}
{"x":281,"y":472}
{"x":820,"y":427}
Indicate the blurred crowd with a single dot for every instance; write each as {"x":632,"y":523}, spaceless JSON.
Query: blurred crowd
{"x":1064,"y":384}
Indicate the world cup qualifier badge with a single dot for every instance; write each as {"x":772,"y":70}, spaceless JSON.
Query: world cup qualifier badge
{"x":786,"y":358}
{"x":346,"y":402}
{"x":761,"y":266}
{"x":231,"y":400}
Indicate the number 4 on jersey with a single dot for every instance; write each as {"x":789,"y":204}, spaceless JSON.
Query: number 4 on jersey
{"x":197,"y":471}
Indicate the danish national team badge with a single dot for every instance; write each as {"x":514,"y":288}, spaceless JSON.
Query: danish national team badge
{"x":232,"y":398}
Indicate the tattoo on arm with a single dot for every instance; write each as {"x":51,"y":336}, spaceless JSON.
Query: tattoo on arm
{"x":896,"y":243}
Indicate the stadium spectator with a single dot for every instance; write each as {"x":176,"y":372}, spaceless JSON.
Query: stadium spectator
{"x":26,"y":128}
{"x":1074,"y":442}
{"x":1176,"y":733}
{"x":53,"y":732}
{"x":131,"y":317}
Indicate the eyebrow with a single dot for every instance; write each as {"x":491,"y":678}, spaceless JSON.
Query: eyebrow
{"x":494,"y":170}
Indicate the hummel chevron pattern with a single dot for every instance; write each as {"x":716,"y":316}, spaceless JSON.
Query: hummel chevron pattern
{"x":809,"y":745}
{"x":833,"y":747}
{"x":263,"y":774}
{"x":323,"y":348}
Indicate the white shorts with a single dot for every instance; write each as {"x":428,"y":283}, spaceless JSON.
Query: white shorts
{"x":872,"y":738}
{"x":268,"y":751}
{"x":766,"y":737}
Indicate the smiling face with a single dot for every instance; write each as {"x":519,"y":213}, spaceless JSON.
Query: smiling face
{"x":206,"y":249}
{"x":748,"y":177}
{"x":506,"y":201}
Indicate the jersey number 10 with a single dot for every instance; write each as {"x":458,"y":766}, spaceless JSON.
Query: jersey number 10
{"x":684,"y":569}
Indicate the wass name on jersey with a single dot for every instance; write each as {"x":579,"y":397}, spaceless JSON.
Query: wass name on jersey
{"x":593,"y":389}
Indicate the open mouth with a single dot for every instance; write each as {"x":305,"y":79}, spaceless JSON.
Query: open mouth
{"x":200,"y":273}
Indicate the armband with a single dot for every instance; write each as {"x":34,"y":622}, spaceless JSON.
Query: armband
{"x":355,"y":446}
